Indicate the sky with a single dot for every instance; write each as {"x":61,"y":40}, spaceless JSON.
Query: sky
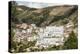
{"x":35,"y":4}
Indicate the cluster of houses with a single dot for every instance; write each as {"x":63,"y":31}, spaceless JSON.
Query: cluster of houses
{"x":45,"y":37}
{"x":24,"y":31}
{"x":51,"y":35}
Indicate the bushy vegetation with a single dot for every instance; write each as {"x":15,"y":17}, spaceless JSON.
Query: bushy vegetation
{"x":72,"y":42}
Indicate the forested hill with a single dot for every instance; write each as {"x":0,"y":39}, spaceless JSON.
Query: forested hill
{"x":52,"y":15}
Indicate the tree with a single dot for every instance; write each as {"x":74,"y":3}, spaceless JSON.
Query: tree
{"x":72,"y":42}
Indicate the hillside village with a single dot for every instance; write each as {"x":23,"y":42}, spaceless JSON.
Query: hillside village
{"x":44,"y":37}
{"x":43,"y":29}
